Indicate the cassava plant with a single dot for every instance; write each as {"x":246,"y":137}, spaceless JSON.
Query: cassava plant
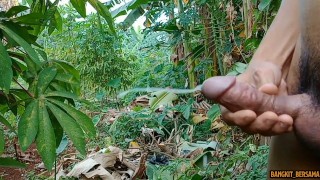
{"x":39,"y":91}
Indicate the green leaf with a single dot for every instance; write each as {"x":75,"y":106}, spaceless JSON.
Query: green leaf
{"x":80,"y":6}
{"x":46,"y":141}
{"x":213,"y":112}
{"x":25,"y":45}
{"x":62,"y":94}
{"x":162,"y":98}
{"x":68,"y":68}
{"x":1,"y":141}
{"x":263,"y":4}
{"x":45,"y":78}
{"x":58,"y":20}
{"x":5,"y":69}
{"x":28,"y":125}
{"x":15,"y":10}
{"x":71,"y":127}
{"x":63,"y":145}
{"x":83,"y":120}
{"x":115,"y":83}
{"x":8,"y":162}
{"x":67,"y":78}
{"x":31,"y":19}
{"x":104,"y":12}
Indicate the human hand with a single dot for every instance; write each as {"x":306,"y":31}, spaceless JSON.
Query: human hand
{"x":265,"y":77}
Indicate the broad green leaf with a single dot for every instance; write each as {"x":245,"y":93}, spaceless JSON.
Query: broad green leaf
{"x":15,"y":10}
{"x":68,"y":68}
{"x":58,"y":20}
{"x":25,"y":45}
{"x":30,"y":19}
{"x":5,"y":69}
{"x":67,"y":78}
{"x":70,"y":126}
{"x":104,"y":12}
{"x":46,"y":141}
{"x":1,"y":141}
{"x":28,"y":125}
{"x":45,"y":78}
{"x":8,"y":162}
{"x":161,"y":98}
{"x":263,"y":4}
{"x":83,"y":120}
{"x":80,"y":6}
{"x":62,"y":94}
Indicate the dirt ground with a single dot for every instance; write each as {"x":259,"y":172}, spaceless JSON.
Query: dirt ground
{"x":31,"y":158}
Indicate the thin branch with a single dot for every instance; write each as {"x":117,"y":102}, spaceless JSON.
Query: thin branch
{"x":28,"y":92}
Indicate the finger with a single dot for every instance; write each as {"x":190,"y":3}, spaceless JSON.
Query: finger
{"x":264,"y":123}
{"x":267,"y":75}
{"x":285,"y":124}
{"x":240,"y":118}
{"x":269,"y":88}
{"x":283,"y":88}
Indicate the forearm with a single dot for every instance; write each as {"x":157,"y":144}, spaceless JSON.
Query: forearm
{"x":280,"y":40}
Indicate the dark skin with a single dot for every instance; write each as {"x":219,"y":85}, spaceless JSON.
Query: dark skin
{"x":280,"y":97}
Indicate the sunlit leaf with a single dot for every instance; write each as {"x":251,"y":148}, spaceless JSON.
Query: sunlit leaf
{"x":71,"y":127}
{"x":162,"y":98}
{"x":83,"y":120}
{"x":80,"y":6}
{"x":68,"y":78}
{"x":26,"y":46}
{"x":45,"y":78}
{"x":263,"y":4}
{"x":28,"y":125}
{"x":46,"y":141}
{"x":104,"y":12}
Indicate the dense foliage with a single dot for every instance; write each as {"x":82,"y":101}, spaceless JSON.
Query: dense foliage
{"x":51,"y":55}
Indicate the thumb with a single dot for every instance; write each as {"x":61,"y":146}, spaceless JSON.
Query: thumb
{"x":235,"y":96}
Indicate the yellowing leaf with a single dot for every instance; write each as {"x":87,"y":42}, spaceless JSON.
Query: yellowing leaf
{"x":162,"y":98}
{"x":198,"y":118}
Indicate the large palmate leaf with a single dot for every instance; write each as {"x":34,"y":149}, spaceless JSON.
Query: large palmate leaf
{"x":5,"y":69}
{"x":45,"y":78}
{"x":46,"y":141}
{"x":70,"y":126}
{"x":83,"y":120}
{"x":28,"y":125}
{"x":25,"y":45}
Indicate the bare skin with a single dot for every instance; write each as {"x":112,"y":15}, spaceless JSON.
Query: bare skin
{"x":292,"y":117}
